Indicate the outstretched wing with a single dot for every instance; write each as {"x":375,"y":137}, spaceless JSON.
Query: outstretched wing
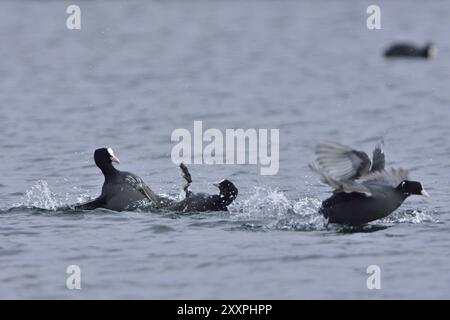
{"x":391,"y":178}
{"x":347,"y":170}
{"x":378,"y":159}
{"x":347,"y":186}
{"x":341,"y":162}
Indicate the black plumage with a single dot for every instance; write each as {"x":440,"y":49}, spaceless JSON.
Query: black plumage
{"x":410,"y":51}
{"x":121,"y":190}
{"x":363,"y":190}
{"x":200,"y":202}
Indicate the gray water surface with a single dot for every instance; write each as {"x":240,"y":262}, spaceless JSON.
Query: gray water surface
{"x":137,"y":70}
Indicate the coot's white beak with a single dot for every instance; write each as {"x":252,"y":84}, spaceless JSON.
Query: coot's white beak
{"x":115,"y":159}
{"x":217,"y":184}
{"x":112,"y":156}
{"x":432,"y":51}
{"x":424,"y":193}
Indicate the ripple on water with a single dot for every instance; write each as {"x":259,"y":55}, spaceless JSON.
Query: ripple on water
{"x":158,"y":228}
{"x":10,"y":252}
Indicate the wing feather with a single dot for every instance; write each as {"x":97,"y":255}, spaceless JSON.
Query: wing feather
{"x":342,"y":162}
{"x":138,"y":184}
{"x":378,"y":158}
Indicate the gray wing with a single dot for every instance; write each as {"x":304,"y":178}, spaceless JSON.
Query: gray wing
{"x":137,"y":183}
{"x":341,"y":162}
{"x":347,"y":186}
{"x":391,"y":178}
{"x":363,"y":185}
{"x":378,"y":159}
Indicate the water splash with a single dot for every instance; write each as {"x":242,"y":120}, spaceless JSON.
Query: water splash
{"x":40,"y":196}
{"x":305,"y":216}
{"x":265,"y":209}
{"x":263,"y":203}
{"x":270,"y":209}
{"x":410,"y":216}
{"x":80,"y":197}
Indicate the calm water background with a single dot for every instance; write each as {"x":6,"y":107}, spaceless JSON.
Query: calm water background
{"x":140,"y":69}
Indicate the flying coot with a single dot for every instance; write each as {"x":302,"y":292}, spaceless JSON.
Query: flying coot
{"x":364,"y":190}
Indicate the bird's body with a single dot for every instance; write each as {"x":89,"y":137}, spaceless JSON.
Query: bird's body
{"x":201,"y":202}
{"x":363,"y":190}
{"x":357,"y":209}
{"x":118,"y":193}
{"x":410,"y":51}
{"x":124,"y":190}
{"x":121,"y":190}
{"x":198,"y":202}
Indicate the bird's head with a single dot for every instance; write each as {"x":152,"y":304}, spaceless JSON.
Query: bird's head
{"x":228,"y":190}
{"x":413,"y":187}
{"x":105,"y":157}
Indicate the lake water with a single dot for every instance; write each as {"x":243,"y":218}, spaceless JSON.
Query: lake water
{"x":137,"y":70}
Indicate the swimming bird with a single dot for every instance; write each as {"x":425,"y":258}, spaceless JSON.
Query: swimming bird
{"x":200,"y":202}
{"x":121,"y":190}
{"x":364,"y":190}
{"x":411,"y":51}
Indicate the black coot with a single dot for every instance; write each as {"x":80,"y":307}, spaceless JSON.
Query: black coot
{"x":121,"y":190}
{"x":410,"y":51}
{"x":200,"y":202}
{"x":363,"y":190}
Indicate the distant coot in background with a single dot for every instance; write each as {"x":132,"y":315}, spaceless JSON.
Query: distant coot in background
{"x":363,"y":190}
{"x":410,"y":50}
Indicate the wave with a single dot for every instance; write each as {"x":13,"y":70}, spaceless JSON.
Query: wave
{"x":264,"y":210}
